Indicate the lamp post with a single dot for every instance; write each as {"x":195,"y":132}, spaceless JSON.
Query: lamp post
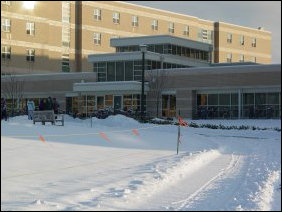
{"x":143,"y":49}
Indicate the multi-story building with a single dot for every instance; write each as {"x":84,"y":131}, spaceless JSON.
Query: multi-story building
{"x":58,"y":36}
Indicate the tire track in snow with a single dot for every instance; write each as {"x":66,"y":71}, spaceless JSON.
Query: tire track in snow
{"x":184,"y":204}
{"x":151,"y":188}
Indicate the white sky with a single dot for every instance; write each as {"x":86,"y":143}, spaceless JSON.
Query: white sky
{"x":245,"y":13}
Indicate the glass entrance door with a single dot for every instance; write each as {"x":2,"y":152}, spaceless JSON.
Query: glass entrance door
{"x":100,"y":102}
{"x":117,"y":103}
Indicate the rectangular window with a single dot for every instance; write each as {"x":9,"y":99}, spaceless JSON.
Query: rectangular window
{"x":154,"y":25}
{"x":97,"y":38}
{"x":6,"y":52}
{"x":242,"y":40}
{"x":97,"y":14}
{"x":111,"y":71}
{"x":109,"y":100}
{"x":186,"y":31}
{"x":65,"y":63}
{"x":229,"y":38}
{"x":205,"y":34}
{"x":229,"y":58}
{"x":30,"y":28}
{"x":129,"y":71}
{"x":254,"y":42}
{"x":171,"y":28}
{"x":66,"y":36}
{"x":135,"y":21}
{"x":116,"y":18}
{"x":119,"y":71}
{"x":100,"y":69}
{"x":66,"y":12}
{"x":6,"y":25}
{"x":30,"y":55}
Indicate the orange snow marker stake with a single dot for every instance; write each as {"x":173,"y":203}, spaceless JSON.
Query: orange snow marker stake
{"x":135,"y":132}
{"x":42,"y":139}
{"x":104,"y":136}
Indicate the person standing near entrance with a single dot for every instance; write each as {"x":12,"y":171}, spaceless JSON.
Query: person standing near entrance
{"x":30,"y":108}
{"x":4,"y":110}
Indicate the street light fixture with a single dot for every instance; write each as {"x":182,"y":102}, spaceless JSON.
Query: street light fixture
{"x":29,"y":5}
{"x":143,"y":49}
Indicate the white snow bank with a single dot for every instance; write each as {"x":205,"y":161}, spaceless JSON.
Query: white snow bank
{"x":264,"y":196}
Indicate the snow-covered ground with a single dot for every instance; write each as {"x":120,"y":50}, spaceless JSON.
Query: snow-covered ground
{"x":120,"y":164}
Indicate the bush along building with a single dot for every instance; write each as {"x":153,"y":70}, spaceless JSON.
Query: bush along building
{"x":179,"y":75}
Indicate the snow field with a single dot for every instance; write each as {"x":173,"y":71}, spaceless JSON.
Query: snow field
{"x":215,"y":170}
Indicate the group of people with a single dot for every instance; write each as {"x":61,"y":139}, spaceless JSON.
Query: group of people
{"x":44,"y":104}
{"x":4,"y":110}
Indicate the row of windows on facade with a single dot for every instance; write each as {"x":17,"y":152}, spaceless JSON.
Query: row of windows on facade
{"x":6,"y":54}
{"x":128,"y":70}
{"x":227,"y":104}
{"x":242,"y":40}
{"x":135,"y":21}
{"x":6,"y":26}
{"x":241,"y":58}
{"x":169,"y":49}
{"x":30,"y":57}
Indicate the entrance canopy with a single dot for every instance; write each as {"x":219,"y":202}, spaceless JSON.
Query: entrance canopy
{"x":100,"y":88}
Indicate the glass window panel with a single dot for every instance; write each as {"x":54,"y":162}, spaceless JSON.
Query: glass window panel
{"x":128,"y":70}
{"x":111,"y":71}
{"x":120,"y":71}
{"x":273,"y":98}
{"x":224,"y":99}
{"x":234,"y":99}
{"x":202,"y":99}
{"x":260,"y":98}
{"x":213,"y":99}
{"x":159,"y":49}
{"x":248,"y":98}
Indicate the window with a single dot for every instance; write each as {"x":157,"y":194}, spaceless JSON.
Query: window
{"x":97,"y":38}
{"x":65,"y":63}
{"x":242,"y":40}
{"x":6,"y":25}
{"x":254,"y":42}
{"x":186,"y":31}
{"x":6,"y":52}
{"x":97,"y":14}
{"x":135,"y":21}
{"x":30,"y":28}
{"x":100,"y":69}
{"x":66,"y":36}
{"x":229,"y":38}
{"x":6,"y":2}
{"x":66,"y":12}
{"x":205,"y":34}
{"x":129,"y":71}
{"x":30,"y":55}
{"x":111,"y":71}
{"x":119,"y":71}
{"x":116,"y":18}
{"x":171,"y":28}
{"x":229,"y":58}
{"x":154,"y":25}
{"x":109,"y":100}
{"x":242,"y":58}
